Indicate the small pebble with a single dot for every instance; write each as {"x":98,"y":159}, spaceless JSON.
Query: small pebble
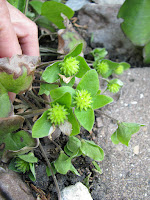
{"x":136,"y":150}
{"x":141,"y":96}
{"x":134,"y":102}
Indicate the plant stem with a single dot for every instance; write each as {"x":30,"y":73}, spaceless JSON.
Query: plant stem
{"x":100,"y":112}
{"x":38,"y":98}
{"x":51,"y":170}
{"x":26,"y":7}
{"x":33,"y":113}
{"x":47,"y":63}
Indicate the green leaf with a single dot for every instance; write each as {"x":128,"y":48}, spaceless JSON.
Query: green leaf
{"x":41,"y":127}
{"x":100,"y":100}
{"x":18,"y":140}
{"x":17,"y":72}
{"x":48,"y":171}
{"x":31,"y":176}
{"x":16,"y":143}
{"x":125,"y":131}
{"x":146,"y":53}
{"x":75,"y":124}
{"x":58,"y":92}
{"x":52,"y":10}
{"x":72,"y":154}
{"x":43,"y":22}
{"x":64,"y":100}
{"x":32,"y":169}
{"x":83,"y":67}
{"x":99,"y":53}
{"x":63,"y":163}
{"x":50,"y":75}
{"x":28,"y":157}
{"x":20,"y":4}
{"x":98,"y":169}
{"x":37,"y":6}
{"x":75,"y":51}
{"x":73,"y":170}
{"x":114,"y":138}
{"x":12,"y":167}
{"x":89,"y":82}
{"x":117,"y":81}
{"x":136,"y":24}
{"x":85,"y":118}
{"x":73,"y":144}
{"x":90,"y":149}
{"x":10,"y":124}
{"x":45,"y":88}
{"x":5,"y":104}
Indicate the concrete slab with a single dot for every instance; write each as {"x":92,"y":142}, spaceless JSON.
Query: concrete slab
{"x":126,"y":169}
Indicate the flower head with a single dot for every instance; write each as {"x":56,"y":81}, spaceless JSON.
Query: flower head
{"x":114,"y":87}
{"x":70,"y":66}
{"x":22,"y":165}
{"x":119,"y":70}
{"x":83,"y":99}
{"x":102,"y":68}
{"x":57,"y":114}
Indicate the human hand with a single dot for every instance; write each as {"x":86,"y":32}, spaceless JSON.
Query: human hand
{"x":18,"y":34}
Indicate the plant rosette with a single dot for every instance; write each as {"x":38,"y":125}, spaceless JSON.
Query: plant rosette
{"x":84,"y":99}
{"x":66,"y":70}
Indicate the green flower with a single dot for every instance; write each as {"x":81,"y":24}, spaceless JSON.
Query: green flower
{"x":102,"y":67}
{"x":119,"y":70}
{"x":83,"y":99}
{"x":70,"y":66}
{"x":57,"y":114}
{"x":114,"y":87}
{"x":22,"y":165}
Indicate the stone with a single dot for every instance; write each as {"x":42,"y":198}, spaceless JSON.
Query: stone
{"x":109,"y":1}
{"x":12,"y":187}
{"x":104,"y":27}
{"x":136,"y":150}
{"x":99,"y":122}
{"x":76,"y":192}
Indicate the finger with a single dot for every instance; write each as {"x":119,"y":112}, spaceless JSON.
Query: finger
{"x":9,"y":44}
{"x":26,"y":31}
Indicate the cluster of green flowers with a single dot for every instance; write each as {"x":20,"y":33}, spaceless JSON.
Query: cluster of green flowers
{"x":57,"y":114}
{"x":82,"y":99}
{"x":70,"y":66}
{"x":22,"y":165}
{"x":103,"y":67}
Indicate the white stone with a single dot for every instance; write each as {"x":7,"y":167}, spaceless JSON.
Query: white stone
{"x":134,"y":102}
{"x":76,"y":192}
{"x":136,"y":150}
{"x":109,"y":1}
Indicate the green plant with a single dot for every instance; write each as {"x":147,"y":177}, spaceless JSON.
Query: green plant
{"x":71,"y":104}
{"x":24,"y":163}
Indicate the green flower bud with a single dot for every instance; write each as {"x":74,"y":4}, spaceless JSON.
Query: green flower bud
{"x":119,"y":70}
{"x":70,"y":66}
{"x":22,"y":165}
{"x":83,"y":99}
{"x":57,"y":114}
{"x":114,"y":87}
{"x":102,"y":68}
